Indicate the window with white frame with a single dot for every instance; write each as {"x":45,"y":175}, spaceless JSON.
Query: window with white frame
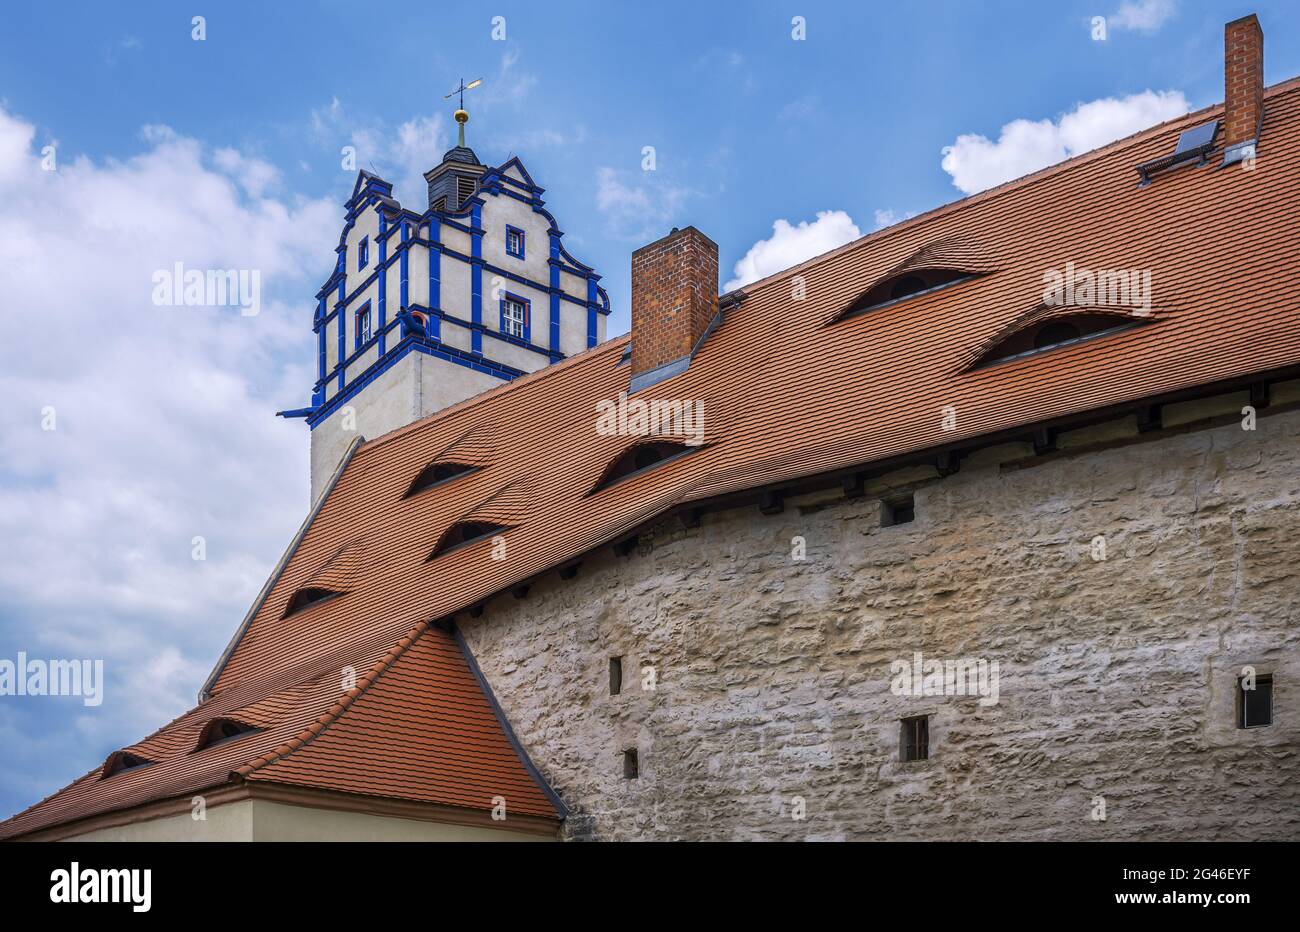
{"x":363,"y":326}
{"x":515,"y":242}
{"x":514,"y":317}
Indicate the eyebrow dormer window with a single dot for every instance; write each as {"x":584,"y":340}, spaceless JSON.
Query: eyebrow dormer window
{"x":1056,"y":333}
{"x":221,"y":730}
{"x":121,"y":762}
{"x":904,"y":286}
{"x":308,"y":596}
{"x":641,"y":458}
{"x":463,"y":533}
{"x":1043,"y":335}
{"x":436,"y":474}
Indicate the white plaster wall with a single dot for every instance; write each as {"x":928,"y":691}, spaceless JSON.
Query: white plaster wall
{"x":444,"y":383}
{"x":264,"y":820}
{"x":418,"y":275}
{"x":229,"y":822}
{"x":501,"y":210}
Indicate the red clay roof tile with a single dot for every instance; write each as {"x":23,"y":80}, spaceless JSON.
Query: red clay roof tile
{"x":799,"y":396}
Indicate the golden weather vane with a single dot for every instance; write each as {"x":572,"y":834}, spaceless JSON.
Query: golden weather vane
{"x":462,"y":117}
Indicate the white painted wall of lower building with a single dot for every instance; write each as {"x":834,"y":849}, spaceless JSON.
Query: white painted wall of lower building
{"x":267,"y":820}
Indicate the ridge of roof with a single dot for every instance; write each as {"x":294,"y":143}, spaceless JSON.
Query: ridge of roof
{"x":910,"y":223}
{"x":1013,"y":184}
{"x":330,"y":715}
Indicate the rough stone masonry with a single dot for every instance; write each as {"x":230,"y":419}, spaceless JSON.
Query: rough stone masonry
{"x":1118,"y":677}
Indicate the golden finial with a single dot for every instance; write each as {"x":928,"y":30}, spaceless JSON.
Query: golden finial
{"x":461,"y":115}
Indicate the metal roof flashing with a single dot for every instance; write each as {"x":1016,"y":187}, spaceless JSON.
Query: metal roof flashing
{"x":659,"y":374}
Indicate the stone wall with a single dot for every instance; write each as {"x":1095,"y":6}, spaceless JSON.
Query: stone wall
{"x":1117,"y":677}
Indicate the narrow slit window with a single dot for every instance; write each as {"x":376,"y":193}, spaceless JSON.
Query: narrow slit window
{"x":615,"y":675}
{"x":1255,"y":704}
{"x":898,"y":511}
{"x":363,"y":327}
{"x":914,"y":738}
{"x":631,"y":767}
{"x":363,"y":253}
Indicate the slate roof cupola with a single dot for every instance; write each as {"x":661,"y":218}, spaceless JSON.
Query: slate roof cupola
{"x":429,"y":305}
{"x":453,"y":181}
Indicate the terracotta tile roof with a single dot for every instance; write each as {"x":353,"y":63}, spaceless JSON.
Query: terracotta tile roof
{"x":416,"y":726}
{"x":797,"y":395}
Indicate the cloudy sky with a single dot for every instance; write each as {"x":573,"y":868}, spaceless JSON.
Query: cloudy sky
{"x":130,"y":430}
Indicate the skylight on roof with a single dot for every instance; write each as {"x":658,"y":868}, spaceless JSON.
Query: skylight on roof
{"x":1194,"y":145}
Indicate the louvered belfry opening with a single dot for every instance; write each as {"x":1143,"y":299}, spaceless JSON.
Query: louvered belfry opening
{"x":454,"y":181}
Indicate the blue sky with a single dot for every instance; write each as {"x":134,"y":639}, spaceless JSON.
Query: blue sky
{"x":226,"y":153}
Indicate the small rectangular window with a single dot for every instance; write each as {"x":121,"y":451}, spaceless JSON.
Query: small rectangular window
{"x":631,"y":769}
{"x":363,"y":327}
{"x":1255,"y":705}
{"x":615,"y":675}
{"x":515,"y":242}
{"x":514,"y":318}
{"x":914,"y":738}
{"x":898,"y":511}
{"x":363,"y":252}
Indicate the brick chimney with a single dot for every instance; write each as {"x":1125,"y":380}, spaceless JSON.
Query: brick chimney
{"x":1243,"y":86}
{"x":674,"y":299}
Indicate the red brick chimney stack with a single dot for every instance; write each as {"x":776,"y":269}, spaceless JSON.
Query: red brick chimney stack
{"x":674,"y":298}
{"x":1243,"y":80}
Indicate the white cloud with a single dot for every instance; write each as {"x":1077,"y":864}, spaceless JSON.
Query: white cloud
{"x":791,"y":244}
{"x":401,"y":155}
{"x":1024,"y":146}
{"x":254,"y":175}
{"x":164,"y":430}
{"x":888,"y":217}
{"x":638,"y":206}
{"x":1141,"y":15}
